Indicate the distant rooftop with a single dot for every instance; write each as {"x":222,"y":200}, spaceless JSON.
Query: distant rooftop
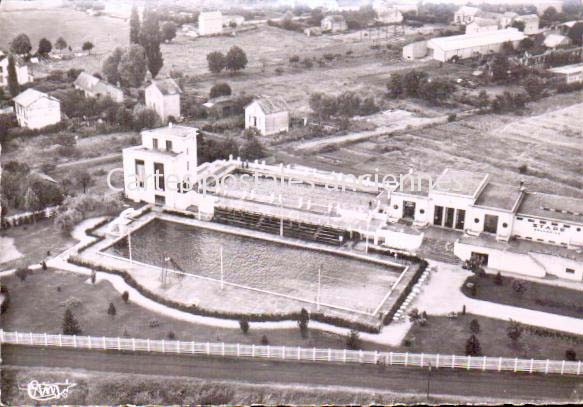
{"x":167,"y":86}
{"x":475,"y":40}
{"x":271,"y":104}
{"x":173,"y":130}
{"x":29,"y":96}
{"x":568,"y":69}
{"x":460,"y":182}
{"x":558,"y":207}
{"x":500,"y":196}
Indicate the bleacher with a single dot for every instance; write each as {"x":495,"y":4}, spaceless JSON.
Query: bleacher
{"x":271,"y":224}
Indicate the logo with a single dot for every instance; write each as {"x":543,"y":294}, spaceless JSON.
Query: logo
{"x":48,"y":391}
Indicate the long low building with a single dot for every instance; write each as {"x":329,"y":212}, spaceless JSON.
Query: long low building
{"x":569,"y":73}
{"x":470,"y":45}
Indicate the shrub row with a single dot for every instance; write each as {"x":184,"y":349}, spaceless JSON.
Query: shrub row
{"x":558,"y":304}
{"x":196,"y":310}
{"x":421,"y":266}
{"x":551,"y":333}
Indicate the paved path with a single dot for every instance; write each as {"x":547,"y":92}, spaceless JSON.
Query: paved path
{"x":506,"y":386}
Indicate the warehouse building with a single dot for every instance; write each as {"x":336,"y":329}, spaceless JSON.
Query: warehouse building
{"x":469,"y":45}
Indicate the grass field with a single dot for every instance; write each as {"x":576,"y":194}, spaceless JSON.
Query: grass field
{"x":540,"y":297}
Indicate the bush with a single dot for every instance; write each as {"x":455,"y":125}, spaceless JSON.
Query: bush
{"x":244,"y":325}
{"x":111,"y":310}
{"x":514,"y":330}
{"x":171,"y":335}
{"x":473,"y":347}
{"x":294,"y":59}
{"x":570,"y":355}
{"x":519,"y":287}
{"x":475,"y":326}
{"x":353,"y":340}
{"x":264,"y":340}
{"x":125,"y":297}
{"x":220,"y":89}
{"x":303,"y":322}
{"x":451,"y":117}
{"x":22,"y":273}
{"x":70,"y":324}
{"x":523,"y":169}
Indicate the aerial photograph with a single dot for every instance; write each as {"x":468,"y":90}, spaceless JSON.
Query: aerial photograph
{"x":291,"y":202}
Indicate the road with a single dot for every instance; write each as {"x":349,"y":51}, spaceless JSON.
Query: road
{"x":396,"y":379}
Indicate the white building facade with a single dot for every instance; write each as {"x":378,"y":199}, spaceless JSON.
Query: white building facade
{"x":268,"y":115}
{"x":22,"y":73}
{"x":210,"y":23}
{"x":163,"y":96}
{"x":36,"y":110}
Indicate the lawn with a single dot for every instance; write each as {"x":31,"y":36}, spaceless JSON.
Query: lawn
{"x":449,"y":336}
{"x":537,"y":296}
{"x":34,"y":242}
{"x":38,"y":304}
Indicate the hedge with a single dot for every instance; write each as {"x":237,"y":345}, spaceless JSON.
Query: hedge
{"x":196,"y":310}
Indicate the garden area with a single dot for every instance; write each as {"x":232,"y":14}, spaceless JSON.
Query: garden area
{"x":525,"y":294}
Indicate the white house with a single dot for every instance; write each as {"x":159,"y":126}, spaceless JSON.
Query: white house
{"x":387,"y":13}
{"x":335,"y":23}
{"x":164,"y":97}
{"x":22,"y":73}
{"x":162,"y":170}
{"x":95,"y":87}
{"x":36,"y":110}
{"x":210,"y":23}
{"x":569,"y":73}
{"x":531,"y":22}
{"x":468,"y":45}
{"x":465,"y":15}
{"x":480,"y":25}
{"x":268,"y":115}
{"x":556,"y":41}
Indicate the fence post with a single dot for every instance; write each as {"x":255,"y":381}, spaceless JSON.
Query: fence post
{"x":283,"y":353}
{"x":531,"y":364}
{"x":484,"y":363}
{"x":468,"y":361}
{"x":452,"y":361}
{"x":406,"y":358}
{"x":268,"y":351}
{"x":562,"y":367}
{"x":253,"y":351}
{"x":500,"y":364}
{"x":60,"y":340}
{"x":223,"y":349}
{"x":515,"y":364}
{"x":192,"y":347}
{"x":163,"y":346}
{"x":89,"y":340}
{"x":31,"y":341}
{"x":75,"y":341}
{"x":134,"y":344}
{"x":547,"y":367}
{"x":299,"y":353}
{"x":344,"y":356}
{"x":208,"y":348}
{"x":360,"y":356}
{"x":104,"y":347}
{"x":330,"y":355}
{"x":579,"y":368}
{"x":46,"y":339}
{"x":376,"y":357}
{"x":238,"y":350}
{"x":422,"y":357}
{"x":148,"y":344}
{"x":314,"y":354}
{"x":390,"y":358}
{"x":437,"y":362}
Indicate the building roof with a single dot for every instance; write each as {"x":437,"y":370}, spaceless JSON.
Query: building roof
{"x":167,"y":87}
{"x":528,"y":17}
{"x":460,"y":182}
{"x":500,"y":196}
{"x":541,"y":205}
{"x":210,"y":15}
{"x":484,"y":22}
{"x":172,"y":130}
{"x":30,"y":96}
{"x":468,"y":10}
{"x":567,"y":69}
{"x":271,"y":105}
{"x":337,"y":18}
{"x":86,"y":81}
{"x":554,"y":40}
{"x":455,"y":42}
{"x":103,"y":87}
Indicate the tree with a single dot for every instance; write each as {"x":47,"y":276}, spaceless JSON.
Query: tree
{"x":125,"y":297}
{"x":526,"y":44}
{"x":21,"y":45}
{"x":134,"y":26}
{"x":500,"y":67}
{"x":144,"y":118}
{"x":353,"y":340}
{"x":549,"y":16}
{"x":244,"y":325}
{"x":303,"y":321}
{"x":264,"y":340}
{"x":150,"y":38}
{"x":252,"y":149}
{"x":411,"y":82}
{"x":348,"y":104}
{"x":44,"y":47}
{"x":111,"y":310}
{"x":507,"y":48}
{"x":519,"y":287}
{"x":519,"y":25}
{"x":395,"y":85}
{"x":571,"y":355}
{"x":514,"y":330}
{"x":436,"y":90}
{"x":61,"y":44}
{"x":575,"y":33}
{"x":70,"y":324}
{"x":168,"y":31}
{"x":13,"y":85}
{"x":475,"y":326}
{"x":498,"y":279}
{"x":236,"y":59}
{"x":88,"y":46}
{"x":132,"y":66}
{"x":216,"y":61}
{"x":31,"y":201}
{"x":22,"y":273}
{"x":534,"y":87}
{"x":83,"y":179}
{"x":110,"y":67}
{"x":483,"y":100}
{"x":316,"y":17}
{"x":220,"y":89}
{"x":473,"y":347}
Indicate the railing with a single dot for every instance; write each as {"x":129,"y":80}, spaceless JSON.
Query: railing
{"x":280,"y":353}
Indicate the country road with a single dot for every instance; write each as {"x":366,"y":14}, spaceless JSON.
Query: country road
{"x":444,"y":381}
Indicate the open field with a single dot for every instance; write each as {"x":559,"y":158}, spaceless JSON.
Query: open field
{"x":537,"y":296}
{"x":496,"y":144}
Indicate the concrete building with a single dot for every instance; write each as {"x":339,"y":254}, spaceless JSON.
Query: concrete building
{"x":334,"y":24}
{"x":480,"y":25}
{"x":164,"y":97}
{"x":36,"y":110}
{"x":469,"y":45}
{"x":210,"y":23}
{"x":568,"y":73}
{"x":387,"y":13}
{"x":268,"y":115}
{"x":156,"y":171}
{"x":415,"y":50}
{"x":531,"y":23}
{"x":465,"y":15}
{"x":22,"y":73}
{"x":95,"y":87}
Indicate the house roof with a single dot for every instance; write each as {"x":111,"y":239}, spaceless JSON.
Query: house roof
{"x":337,"y":18}
{"x":460,"y":182}
{"x":86,"y":81}
{"x":541,"y":205}
{"x":455,"y":42}
{"x":567,"y":69}
{"x":484,"y":22}
{"x":271,"y":105}
{"x":468,"y":10}
{"x":528,"y":17}
{"x":167,"y":87}
{"x":554,"y":40}
{"x":500,"y":196}
{"x":173,"y":130}
{"x":30,"y":96}
{"x":106,"y":88}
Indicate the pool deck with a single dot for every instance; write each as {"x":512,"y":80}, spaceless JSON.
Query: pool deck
{"x":244,"y":295}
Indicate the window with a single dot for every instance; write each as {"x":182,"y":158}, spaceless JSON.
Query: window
{"x":140,"y":173}
{"x":518,"y":218}
{"x":505,"y":225}
{"x":159,"y":176}
{"x":569,"y":271}
{"x":421,"y":211}
{"x":460,"y":220}
{"x":438,"y":216}
{"x":491,"y":224}
{"x":155,"y":143}
{"x":449,"y":215}
{"x":531,"y":220}
{"x":168,"y":145}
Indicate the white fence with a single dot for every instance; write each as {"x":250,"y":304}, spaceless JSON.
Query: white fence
{"x":295,"y":353}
